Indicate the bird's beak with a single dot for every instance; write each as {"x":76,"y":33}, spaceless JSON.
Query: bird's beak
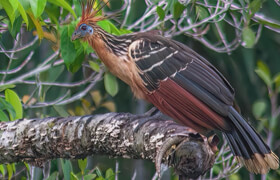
{"x":76,"y":35}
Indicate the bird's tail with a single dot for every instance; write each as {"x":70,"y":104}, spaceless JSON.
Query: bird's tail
{"x":248,"y":147}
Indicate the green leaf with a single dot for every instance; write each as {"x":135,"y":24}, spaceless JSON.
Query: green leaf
{"x":161,"y":13}
{"x":4,"y":105}
{"x":10,"y":171}
{"x":94,"y":66}
{"x":15,"y":28}
{"x":110,"y":175}
{"x":264,"y":73}
{"x":178,"y":9}
{"x":2,"y":169}
{"x":201,"y":12}
{"x":276,"y":80}
{"x":259,"y":108}
{"x":3,"y":116}
{"x":10,"y":10}
{"x":61,"y":111}
{"x":74,"y":177}
{"x":8,"y":86}
{"x":82,"y":164}
{"x":255,"y":6}
{"x":15,"y":101}
{"x":111,"y":84}
{"x":37,"y":7}
{"x":248,"y":37}
{"x":65,"y":5}
{"x":68,"y":51}
{"x":89,"y":176}
{"x":104,"y":25}
{"x":37,"y":24}
{"x":53,"y":176}
{"x":23,"y":13}
{"x":66,"y":168}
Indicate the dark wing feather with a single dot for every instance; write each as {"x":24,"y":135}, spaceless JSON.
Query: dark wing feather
{"x":160,"y":60}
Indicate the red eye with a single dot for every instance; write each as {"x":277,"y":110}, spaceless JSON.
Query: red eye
{"x":84,"y":28}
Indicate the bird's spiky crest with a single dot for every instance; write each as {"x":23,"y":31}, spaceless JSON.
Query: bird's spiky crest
{"x":89,"y":12}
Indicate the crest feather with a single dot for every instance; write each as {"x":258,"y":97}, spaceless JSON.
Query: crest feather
{"x":89,"y":12}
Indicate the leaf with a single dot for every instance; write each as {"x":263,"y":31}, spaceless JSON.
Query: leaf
{"x":248,"y":37}
{"x":73,"y":176}
{"x":111,"y":84}
{"x":96,"y":96}
{"x":178,"y":9}
{"x":66,"y":168}
{"x":9,"y":10}
{"x":3,"y":116}
{"x":94,"y":66}
{"x":259,"y":108}
{"x":110,"y":106}
{"x":255,"y":6}
{"x":15,"y":28}
{"x":23,"y":13}
{"x":82,"y":164}
{"x":68,"y":51}
{"x":4,"y":105}
{"x":201,"y":12}
{"x":104,"y":25}
{"x":2,"y":169}
{"x":161,"y":13}
{"x":10,"y":171}
{"x":37,"y":24}
{"x":110,"y":175}
{"x":8,"y":86}
{"x":61,"y":111}
{"x":53,"y":176}
{"x":14,"y":100}
{"x":276,"y":80}
{"x":37,"y":7}
{"x":264,"y":73}
{"x":89,"y":176}
{"x":65,"y":5}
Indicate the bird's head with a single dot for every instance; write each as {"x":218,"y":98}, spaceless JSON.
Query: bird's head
{"x":85,"y":28}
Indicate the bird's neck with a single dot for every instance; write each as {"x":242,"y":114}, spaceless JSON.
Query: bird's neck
{"x":115,"y":44}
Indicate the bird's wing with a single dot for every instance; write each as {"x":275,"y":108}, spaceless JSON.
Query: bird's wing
{"x":180,"y":81}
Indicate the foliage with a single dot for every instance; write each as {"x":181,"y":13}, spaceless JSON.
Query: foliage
{"x":240,"y":37}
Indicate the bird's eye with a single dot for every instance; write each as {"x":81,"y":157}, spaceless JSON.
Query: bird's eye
{"x":84,"y":27}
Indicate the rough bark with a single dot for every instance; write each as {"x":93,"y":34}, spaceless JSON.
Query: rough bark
{"x":114,"y":134}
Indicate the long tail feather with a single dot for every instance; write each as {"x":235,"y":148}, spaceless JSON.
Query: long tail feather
{"x":248,"y":147}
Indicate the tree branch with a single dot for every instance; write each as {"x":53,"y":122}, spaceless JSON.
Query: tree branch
{"x":114,"y":134}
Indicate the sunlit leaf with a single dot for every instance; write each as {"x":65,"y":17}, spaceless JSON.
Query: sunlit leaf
{"x":89,"y":176}
{"x":10,"y":10}
{"x":14,"y":100}
{"x":2,"y":169}
{"x":110,"y":106}
{"x":82,"y":164}
{"x":37,"y":7}
{"x":94,"y":66}
{"x":8,"y":86}
{"x":110,"y":175}
{"x":161,"y":13}
{"x":264,"y":73}
{"x":111,"y":84}
{"x":74,"y":177}
{"x":96,"y":96}
{"x":23,"y":13}
{"x":10,"y":171}
{"x":37,"y":24}
{"x":248,"y":37}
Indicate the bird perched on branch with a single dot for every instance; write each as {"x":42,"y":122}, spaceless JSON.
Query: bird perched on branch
{"x":180,"y":83}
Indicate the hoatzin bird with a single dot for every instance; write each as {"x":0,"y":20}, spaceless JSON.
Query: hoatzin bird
{"x":180,"y":83}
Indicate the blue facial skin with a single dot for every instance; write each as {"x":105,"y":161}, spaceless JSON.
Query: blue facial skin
{"x":82,"y":32}
{"x":85,"y":29}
